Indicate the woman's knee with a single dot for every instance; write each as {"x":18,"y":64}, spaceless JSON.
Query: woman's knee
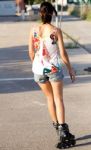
{"x":50,"y":97}
{"x":58,"y":100}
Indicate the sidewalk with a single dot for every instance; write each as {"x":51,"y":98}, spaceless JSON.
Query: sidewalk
{"x":79,"y":31}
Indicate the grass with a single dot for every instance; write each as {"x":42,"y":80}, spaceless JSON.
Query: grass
{"x":88,"y":15}
{"x":85,"y":13}
{"x":71,"y":45}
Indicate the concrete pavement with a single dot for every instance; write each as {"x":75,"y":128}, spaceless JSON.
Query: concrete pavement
{"x":24,"y":120}
{"x":77,"y":34}
{"x":79,"y":30}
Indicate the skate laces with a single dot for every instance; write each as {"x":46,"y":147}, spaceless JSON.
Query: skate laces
{"x":63,"y":129}
{"x":55,"y":125}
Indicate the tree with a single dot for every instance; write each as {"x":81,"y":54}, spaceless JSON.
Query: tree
{"x":31,"y":2}
{"x":38,"y":1}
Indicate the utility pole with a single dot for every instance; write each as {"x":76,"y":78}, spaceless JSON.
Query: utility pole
{"x":56,"y":6}
{"x":61,"y":14}
{"x":59,"y":20}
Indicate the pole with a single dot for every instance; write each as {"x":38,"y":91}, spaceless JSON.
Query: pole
{"x":81,"y":7}
{"x":61,"y":13}
{"x":56,"y":6}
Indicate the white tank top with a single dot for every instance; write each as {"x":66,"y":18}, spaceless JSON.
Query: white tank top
{"x":46,"y":58}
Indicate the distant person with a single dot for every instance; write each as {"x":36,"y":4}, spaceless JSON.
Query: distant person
{"x":20,"y":4}
{"x":45,"y":44}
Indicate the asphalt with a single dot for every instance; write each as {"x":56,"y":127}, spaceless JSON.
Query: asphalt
{"x":24,"y":120}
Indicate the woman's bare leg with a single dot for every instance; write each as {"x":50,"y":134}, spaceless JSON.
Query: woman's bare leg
{"x":57,"y":88}
{"x":47,"y":89}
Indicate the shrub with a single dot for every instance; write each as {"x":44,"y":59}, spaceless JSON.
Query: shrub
{"x":74,"y":10}
{"x":89,"y":15}
{"x":83,"y":11}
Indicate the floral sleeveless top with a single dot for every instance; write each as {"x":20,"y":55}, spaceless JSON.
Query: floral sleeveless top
{"x":46,"y":58}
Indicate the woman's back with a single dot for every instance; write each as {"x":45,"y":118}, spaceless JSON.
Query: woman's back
{"x":47,"y":34}
{"x":46,"y":49}
{"x":46,"y":29}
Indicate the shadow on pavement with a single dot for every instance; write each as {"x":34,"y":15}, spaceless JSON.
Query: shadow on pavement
{"x":15,"y":86}
{"x":83,"y":138}
{"x":66,"y":18}
{"x":18,"y":86}
{"x":79,"y":80}
{"x":88,"y":47}
{"x":12,"y":19}
{"x":4,"y":19}
{"x":8,"y":19}
{"x":15,"y":18}
{"x":10,"y":54}
{"x":19,"y":70}
{"x":84,"y":79}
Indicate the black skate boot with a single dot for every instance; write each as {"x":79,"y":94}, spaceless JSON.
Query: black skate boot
{"x":66,"y":139}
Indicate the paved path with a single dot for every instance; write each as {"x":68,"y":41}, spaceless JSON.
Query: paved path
{"x":24,"y":120}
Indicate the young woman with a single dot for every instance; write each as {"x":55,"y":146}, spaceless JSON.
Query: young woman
{"x":45,"y":50}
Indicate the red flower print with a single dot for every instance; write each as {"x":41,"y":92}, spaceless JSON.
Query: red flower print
{"x":54,"y":69}
{"x":45,"y":52}
{"x":36,"y":42}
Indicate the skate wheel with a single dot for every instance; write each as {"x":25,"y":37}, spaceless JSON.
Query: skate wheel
{"x":73,"y":142}
{"x":63,"y":145}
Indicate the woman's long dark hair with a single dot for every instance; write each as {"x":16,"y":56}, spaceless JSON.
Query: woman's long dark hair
{"x":46,"y":10}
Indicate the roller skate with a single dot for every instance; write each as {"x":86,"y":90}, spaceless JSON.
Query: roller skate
{"x":66,"y":139}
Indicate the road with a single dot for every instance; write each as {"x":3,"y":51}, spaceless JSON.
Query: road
{"x":24,"y":120}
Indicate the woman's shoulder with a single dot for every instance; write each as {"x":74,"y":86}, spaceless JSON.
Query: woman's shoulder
{"x":56,"y":29}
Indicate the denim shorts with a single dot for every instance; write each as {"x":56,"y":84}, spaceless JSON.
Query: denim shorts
{"x":49,"y":77}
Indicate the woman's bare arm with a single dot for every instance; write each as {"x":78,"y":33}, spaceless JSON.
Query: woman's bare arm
{"x":31,"y":47}
{"x":64,"y":55}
